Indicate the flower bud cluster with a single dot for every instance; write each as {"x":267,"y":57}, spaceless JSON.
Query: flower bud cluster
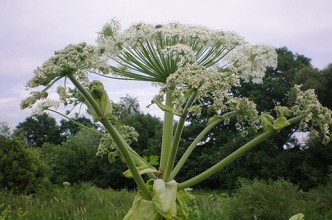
{"x":107,"y":144}
{"x":317,"y":116}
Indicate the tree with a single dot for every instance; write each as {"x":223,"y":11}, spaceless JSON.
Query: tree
{"x":128,"y":106}
{"x":320,"y":81}
{"x":192,"y":65}
{"x":22,"y":169}
{"x":39,"y":129}
{"x":4,"y":129}
{"x":324,"y":91}
{"x":70,"y":128}
{"x":277,"y":82}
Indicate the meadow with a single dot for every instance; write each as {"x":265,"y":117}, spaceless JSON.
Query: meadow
{"x":253,"y":200}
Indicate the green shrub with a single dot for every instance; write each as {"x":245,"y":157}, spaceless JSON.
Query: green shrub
{"x":319,"y":202}
{"x":264,"y":200}
{"x":22,"y":170}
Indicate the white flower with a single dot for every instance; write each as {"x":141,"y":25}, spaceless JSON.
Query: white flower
{"x":44,"y":105}
{"x":317,"y":116}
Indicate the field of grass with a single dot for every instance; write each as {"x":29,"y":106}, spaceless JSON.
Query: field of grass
{"x":254,"y":200}
{"x":86,"y":202}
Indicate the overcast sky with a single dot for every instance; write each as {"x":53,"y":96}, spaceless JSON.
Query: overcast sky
{"x":31,"y":30}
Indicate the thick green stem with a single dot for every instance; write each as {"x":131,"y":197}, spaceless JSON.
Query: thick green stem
{"x":236,"y":154}
{"x":177,"y":135}
{"x":167,"y":133}
{"x":118,"y":139}
{"x":193,"y":145}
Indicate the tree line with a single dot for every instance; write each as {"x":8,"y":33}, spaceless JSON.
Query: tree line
{"x":41,"y":152}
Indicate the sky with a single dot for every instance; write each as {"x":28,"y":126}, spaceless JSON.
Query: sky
{"x":30,"y":32}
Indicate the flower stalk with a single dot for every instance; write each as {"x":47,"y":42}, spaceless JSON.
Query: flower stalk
{"x":236,"y":154}
{"x":177,"y":136}
{"x":121,"y":143}
{"x":167,"y":134}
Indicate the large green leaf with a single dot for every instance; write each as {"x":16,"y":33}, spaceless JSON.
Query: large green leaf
{"x":142,"y":209}
{"x":144,"y":169}
{"x":164,"y":198}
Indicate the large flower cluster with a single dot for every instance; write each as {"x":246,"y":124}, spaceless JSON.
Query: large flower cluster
{"x":74,"y":59}
{"x":157,"y":51}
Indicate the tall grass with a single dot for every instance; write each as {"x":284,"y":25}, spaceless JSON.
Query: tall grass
{"x":253,"y":200}
{"x":75,"y":202}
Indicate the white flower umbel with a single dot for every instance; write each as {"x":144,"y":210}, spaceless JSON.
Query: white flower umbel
{"x":317,"y":116}
{"x":44,"y":105}
{"x":154,"y":52}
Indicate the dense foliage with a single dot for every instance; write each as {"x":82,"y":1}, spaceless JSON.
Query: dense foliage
{"x":22,"y":169}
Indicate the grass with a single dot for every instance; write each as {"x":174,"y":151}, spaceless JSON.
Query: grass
{"x":75,"y":202}
{"x":254,"y":199}
{"x":87,"y":202}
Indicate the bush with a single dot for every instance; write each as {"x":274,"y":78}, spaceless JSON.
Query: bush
{"x":319,"y":202}
{"x":264,"y":200}
{"x":22,"y":170}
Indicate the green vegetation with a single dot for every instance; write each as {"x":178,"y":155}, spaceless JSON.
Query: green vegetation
{"x":273,"y":200}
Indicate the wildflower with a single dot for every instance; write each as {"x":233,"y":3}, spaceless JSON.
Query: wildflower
{"x":44,"y":105}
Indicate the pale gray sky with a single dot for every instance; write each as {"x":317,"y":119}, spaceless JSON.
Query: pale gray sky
{"x":31,"y":30}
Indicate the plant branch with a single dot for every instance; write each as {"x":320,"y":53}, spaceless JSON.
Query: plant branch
{"x":121,"y":143}
{"x":233,"y":156}
{"x":178,"y":134}
{"x":167,"y":133}
{"x":193,"y":145}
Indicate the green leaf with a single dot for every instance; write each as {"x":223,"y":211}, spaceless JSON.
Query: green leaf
{"x":183,"y":201}
{"x":144,"y":169}
{"x":142,"y":209}
{"x":267,"y":120}
{"x":280,"y":123}
{"x":152,"y":160}
{"x":164,"y":198}
{"x":111,"y":157}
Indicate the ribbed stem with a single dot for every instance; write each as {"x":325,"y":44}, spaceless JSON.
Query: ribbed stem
{"x":236,"y":154}
{"x":167,"y":133}
{"x":177,"y":135}
{"x":193,"y":145}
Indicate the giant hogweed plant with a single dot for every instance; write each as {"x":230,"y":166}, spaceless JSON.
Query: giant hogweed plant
{"x":190,"y":64}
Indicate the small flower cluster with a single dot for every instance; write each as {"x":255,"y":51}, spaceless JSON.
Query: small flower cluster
{"x":208,"y":84}
{"x":181,"y":54}
{"x":246,"y":114}
{"x":33,"y":98}
{"x":317,"y":116}
{"x":44,"y":105}
{"x":107,"y":144}
{"x":250,"y":62}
